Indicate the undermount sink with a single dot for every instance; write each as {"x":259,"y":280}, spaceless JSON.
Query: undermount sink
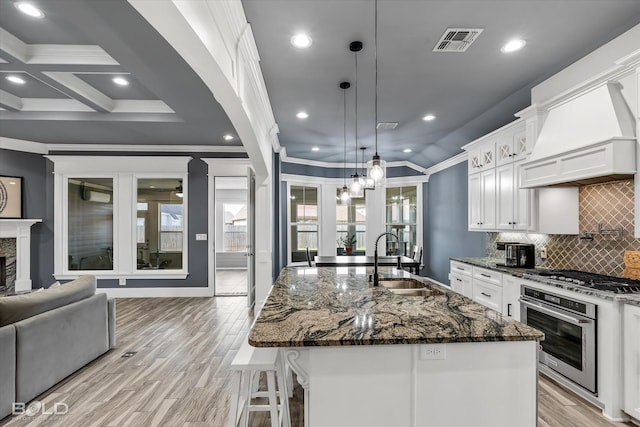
{"x":401,"y":283}
{"x":416,"y":292}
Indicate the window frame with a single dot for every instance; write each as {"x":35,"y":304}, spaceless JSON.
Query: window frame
{"x":318,"y":222}
{"x":125,"y":172}
{"x":418,"y":221}
{"x":353,"y":224}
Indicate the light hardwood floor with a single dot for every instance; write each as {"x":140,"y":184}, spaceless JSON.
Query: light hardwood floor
{"x":231,"y":282}
{"x":180,"y":375}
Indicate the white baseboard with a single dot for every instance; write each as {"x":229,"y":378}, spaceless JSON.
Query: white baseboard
{"x":156,"y":292}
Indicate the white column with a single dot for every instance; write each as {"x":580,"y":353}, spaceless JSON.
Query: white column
{"x":327,"y":230}
{"x":20,"y":229}
{"x":264,"y":237}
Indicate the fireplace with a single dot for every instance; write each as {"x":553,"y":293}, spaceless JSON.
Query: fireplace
{"x":15,"y":247}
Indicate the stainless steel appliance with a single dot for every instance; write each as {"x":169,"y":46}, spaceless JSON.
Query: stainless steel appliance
{"x":599,"y":282}
{"x":569,"y":326}
{"x":521,"y":255}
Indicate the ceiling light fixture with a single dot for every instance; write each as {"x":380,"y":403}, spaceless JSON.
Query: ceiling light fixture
{"x":513,"y":45}
{"x":301,"y":40}
{"x":228,"y":137}
{"x":302,"y":115}
{"x":344,"y":194}
{"x":407,"y":150}
{"x":377,"y":165}
{"x":428,"y":117}
{"x":367,"y":182}
{"x":356,"y":179}
{"x":17,"y":80}
{"x":121,"y":81}
{"x":29,"y":9}
{"x":315,"y":149}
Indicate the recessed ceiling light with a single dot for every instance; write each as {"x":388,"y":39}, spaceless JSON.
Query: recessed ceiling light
{"x":17,"y":80}
{"x":407,"y":150}
{"x":29,"y":9}
{"x":315,"y":149}
{"x":301,"y":40}
{"x":120,"y":81}
{"x":228,"y":137}
{"x":302,"y":115}
{"x":513,"y":45}
{"x":428,"y":117}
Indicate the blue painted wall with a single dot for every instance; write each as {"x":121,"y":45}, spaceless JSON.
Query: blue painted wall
{"x":445,"y":223}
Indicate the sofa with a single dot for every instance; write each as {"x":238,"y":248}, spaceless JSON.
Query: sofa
{"x":46,"y":336}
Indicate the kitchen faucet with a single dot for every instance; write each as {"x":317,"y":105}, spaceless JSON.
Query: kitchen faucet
{"x":376,"y":280}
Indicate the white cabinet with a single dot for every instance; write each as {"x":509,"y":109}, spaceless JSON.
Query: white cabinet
{"x":514,"y":206}
{"x":461,"y":279}
{"x":513,"y":146}
{"x":482,"y":156}
{"x":511,"y":295}
{"x":482,"y":200}
{"x":631,"y":356}
{"x":488,"y":294}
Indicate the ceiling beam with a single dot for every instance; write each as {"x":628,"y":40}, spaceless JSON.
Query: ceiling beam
{"x":10,"y":101}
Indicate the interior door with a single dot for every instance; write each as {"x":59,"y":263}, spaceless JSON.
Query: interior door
{"x":251,"y":238}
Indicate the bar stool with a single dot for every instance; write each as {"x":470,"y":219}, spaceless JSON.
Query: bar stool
{"x":248,"y":364}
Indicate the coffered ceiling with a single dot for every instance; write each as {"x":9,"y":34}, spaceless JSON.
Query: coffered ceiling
{"x":68,"y":60}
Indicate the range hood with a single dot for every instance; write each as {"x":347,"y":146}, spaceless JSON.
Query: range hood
{"x":588,"y":139}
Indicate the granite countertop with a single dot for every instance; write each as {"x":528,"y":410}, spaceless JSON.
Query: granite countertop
{"x":335,"y":306}
{"x":490,"y":263}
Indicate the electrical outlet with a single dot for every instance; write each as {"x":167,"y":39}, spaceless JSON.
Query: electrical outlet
{"x":122,"y":282}
{"x":543,"y":253}
{"x":201,"y":237}
{"x":433,"y":352}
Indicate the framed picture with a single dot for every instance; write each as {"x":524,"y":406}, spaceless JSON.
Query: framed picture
{"x":10,"y":197}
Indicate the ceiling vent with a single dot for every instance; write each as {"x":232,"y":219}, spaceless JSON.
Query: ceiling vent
{"x":387,"y":125}
{"x":457,"y":39}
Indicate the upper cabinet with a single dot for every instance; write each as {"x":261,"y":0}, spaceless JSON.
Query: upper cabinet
{"x":496,"y":201}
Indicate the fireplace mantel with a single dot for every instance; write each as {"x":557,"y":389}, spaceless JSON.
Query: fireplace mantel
{"x":20,"y":229}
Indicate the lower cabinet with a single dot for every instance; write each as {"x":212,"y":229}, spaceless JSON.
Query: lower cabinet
{"x":488,"y":294}
{"x":511,"y":296}
{"x":462,"y":284}
{"x":631,"y":355}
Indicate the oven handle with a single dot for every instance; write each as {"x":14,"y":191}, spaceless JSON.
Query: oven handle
{"x":554,"y":313}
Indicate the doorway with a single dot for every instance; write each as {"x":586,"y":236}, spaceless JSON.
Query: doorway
{"x":232,"y":235}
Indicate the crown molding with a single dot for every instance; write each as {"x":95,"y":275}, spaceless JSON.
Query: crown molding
{"x":22,"y":145}
{"x":62,"y":54}
{"x":150,"y":148}
{"x":321,"y":164}
{"x":446,"y":164}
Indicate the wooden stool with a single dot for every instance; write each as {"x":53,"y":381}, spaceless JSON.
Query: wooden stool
{"x":248,"y":364}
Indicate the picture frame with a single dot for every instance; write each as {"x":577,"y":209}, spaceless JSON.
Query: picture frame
{"x":10,"y":197}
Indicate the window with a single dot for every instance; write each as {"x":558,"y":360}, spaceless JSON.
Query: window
{"x":90,"y":224}
{"x":120,"y":216}
{"x":160,"y":224}
{"x":351,"y":219}
{"x":401,"y":214}
{"x":304,"y":221}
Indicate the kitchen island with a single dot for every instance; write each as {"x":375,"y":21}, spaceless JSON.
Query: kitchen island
{"x":368,"y":357}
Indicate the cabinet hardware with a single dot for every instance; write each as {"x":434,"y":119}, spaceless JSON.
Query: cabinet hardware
{"x":486,"y":295}
{"x":460,"y":268}
{"x":485,"y":275}
{"x":508,"y":310}
{"x":459,"y":280}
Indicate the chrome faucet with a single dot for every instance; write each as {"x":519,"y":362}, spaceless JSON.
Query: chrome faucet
{"x":376,"y":280}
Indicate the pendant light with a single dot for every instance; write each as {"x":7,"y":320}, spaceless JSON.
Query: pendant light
{"x":356,"y":180}
{"x":344,"y":194}
{"x":377,"y":166}
{"x":367,"y":182}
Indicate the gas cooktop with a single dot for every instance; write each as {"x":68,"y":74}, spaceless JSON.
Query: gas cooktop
{"x":600,"y":282}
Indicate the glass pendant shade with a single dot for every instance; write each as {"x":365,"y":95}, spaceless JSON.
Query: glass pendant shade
{"x":356,"y":186}
{"x":344,"y":195}
{"x":377,"y":170}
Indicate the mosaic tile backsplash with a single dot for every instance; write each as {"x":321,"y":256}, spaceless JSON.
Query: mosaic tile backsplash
{"x":610,"y":204}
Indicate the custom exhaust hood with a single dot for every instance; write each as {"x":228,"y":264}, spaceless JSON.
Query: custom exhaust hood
{"x":586,"y":140}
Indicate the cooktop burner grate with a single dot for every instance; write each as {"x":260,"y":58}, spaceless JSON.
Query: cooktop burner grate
{"x":599,"y":282}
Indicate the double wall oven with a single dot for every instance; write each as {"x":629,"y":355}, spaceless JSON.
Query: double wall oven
{"x":569,"y":326}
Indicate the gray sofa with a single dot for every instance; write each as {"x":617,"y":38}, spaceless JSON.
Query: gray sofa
{"x":48,"y":335}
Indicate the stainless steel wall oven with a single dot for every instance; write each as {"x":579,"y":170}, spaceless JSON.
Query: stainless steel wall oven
{"x":569,"y":326}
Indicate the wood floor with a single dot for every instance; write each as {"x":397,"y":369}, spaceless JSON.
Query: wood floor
{"x":231,"y":282}
{"x":180,"y":376}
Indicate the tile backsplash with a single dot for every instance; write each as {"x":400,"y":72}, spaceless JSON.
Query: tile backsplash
{"x":610,"y":204}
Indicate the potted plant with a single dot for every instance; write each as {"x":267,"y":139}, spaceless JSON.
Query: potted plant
{"x":348,"y":243}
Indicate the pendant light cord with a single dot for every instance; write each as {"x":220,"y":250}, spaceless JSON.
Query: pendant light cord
{"x":344,"y":169}
{"x":356,"y":109}
{"x":375,"y":56}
